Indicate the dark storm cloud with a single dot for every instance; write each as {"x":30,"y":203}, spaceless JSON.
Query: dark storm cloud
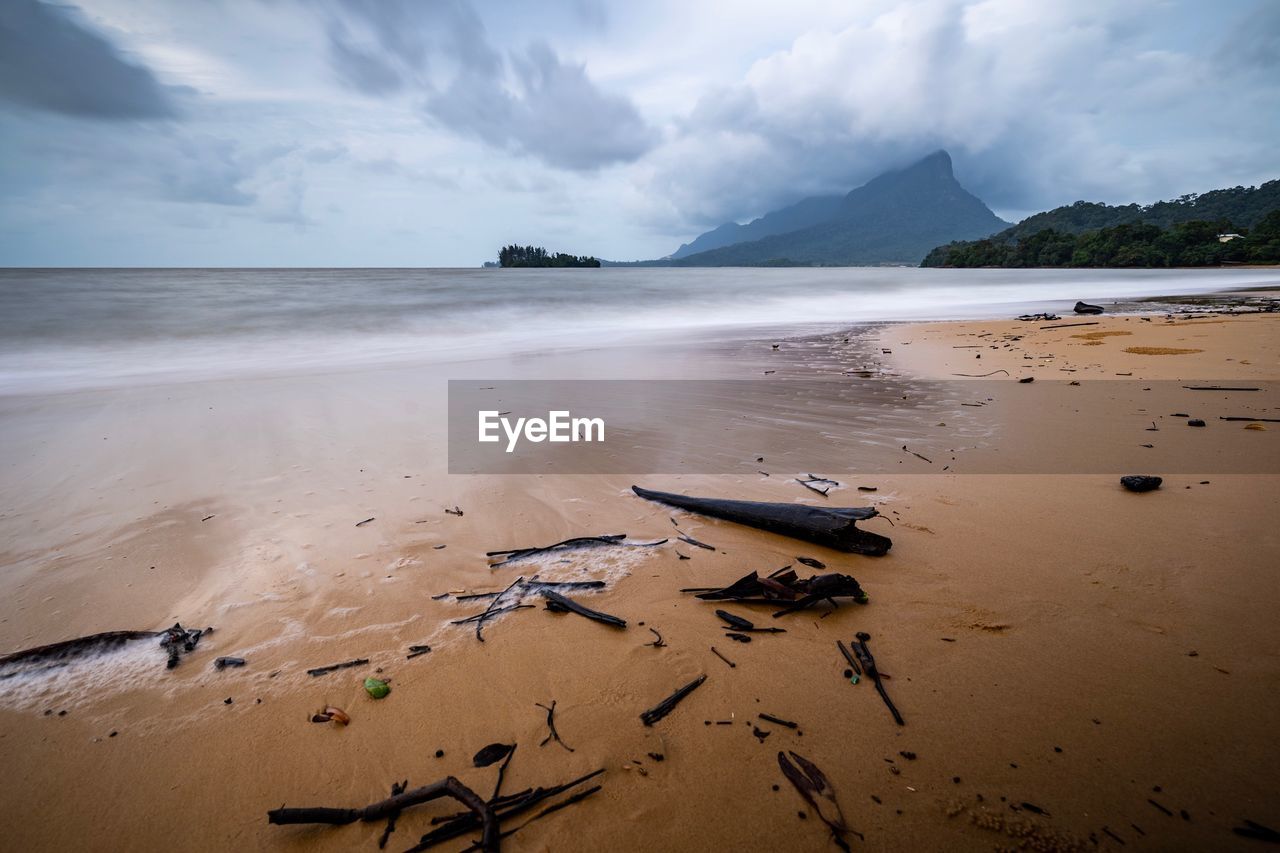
{"x":529,"y":102}
{"x":51,"y":60}
{"x":1039,"y":106}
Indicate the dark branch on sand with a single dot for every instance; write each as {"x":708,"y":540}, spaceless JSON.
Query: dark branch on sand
{"x":514,"y":554}
{"x":558,"y":603}
{"x":551,"y":725}
{"x":447,"y":787}
{"x":666,"y":706}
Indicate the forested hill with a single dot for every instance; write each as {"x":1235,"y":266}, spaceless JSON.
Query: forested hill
{"x":1051,"y":238}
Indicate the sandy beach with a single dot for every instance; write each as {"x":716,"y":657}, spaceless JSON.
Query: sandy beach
{"x":1078,"y":666}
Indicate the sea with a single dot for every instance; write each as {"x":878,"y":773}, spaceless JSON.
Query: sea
{"x":70,"y":329}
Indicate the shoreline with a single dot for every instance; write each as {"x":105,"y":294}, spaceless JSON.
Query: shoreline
{"x":1040,"y":637}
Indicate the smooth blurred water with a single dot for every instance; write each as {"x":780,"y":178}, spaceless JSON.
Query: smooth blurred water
{"x":84,"y":328}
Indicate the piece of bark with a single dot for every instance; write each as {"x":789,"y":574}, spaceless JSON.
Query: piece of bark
{"x":558,"y":603}
{"x":815,"y":788}
{"x":833,"y":527}
{"x":735,"y":622}
{"x":666,"y":706}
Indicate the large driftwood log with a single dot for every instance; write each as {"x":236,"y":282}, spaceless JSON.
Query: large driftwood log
{"x":833,"y":527}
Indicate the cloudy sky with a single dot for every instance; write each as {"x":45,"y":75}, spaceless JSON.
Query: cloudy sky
{"x":420,"y":133}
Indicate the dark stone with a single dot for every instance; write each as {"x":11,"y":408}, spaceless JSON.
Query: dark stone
{"x":1141,"y":483}
{"x":1195,"y":422}
{"x":1086,"y":308}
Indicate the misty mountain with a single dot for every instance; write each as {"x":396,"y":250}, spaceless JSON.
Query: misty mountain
{"x":802,"y":214}
{"x":895,"y":218}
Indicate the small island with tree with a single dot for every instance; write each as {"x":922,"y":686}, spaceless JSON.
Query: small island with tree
{"x":537,"y":256}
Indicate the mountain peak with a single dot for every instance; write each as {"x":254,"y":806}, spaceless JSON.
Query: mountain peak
{"x":896,"y":217}
{"x":939,"y":160}
{"x":935,"y":165}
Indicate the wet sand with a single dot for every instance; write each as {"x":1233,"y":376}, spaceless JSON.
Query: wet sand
{"x":1052,"y":639}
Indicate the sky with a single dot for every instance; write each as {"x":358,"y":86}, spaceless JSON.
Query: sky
{"x":431,"y":132}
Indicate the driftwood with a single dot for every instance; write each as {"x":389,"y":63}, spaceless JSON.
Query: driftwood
{"x":772,"y":719}
{"x":666,"y":706}
{"x":321,"y":670}
{"x":849,"y":658}
{"x":716,"y":652}
{"x":1216,"y":388}
{"x":1256,"y":831}
{"x":534,"y":583}
{"x":551,"y":726}
{"x":737,"y":623}
{"x":1236,"y":418}
{"x":863,"y":651}
{"x":177,"y":640}
{"x":658,"y":641}
{"x":513,"y":554}
{"x":684,"y":537}
{"x":493,"y":605}
{"x":809,"y":484}
{"x":816,"y":789}
{"x":503,"y":807}
{"x":558,"y":603}
{"x":447,"y":787}
{"x":784,"y":587}
{"x":397,"y":788}
{"x":489,"y":614}
{"x":833,"y":527}
{"x":56,"y":654}
{"x":415,"y":651}
{"x":223,"y":662}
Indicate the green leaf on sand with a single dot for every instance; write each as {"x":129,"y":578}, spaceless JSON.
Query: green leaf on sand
{"x":376,"y":687}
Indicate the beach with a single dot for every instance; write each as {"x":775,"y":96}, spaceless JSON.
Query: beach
{"x":1078,"y":666}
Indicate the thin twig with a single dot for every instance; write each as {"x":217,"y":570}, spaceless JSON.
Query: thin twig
{"x":551,"y":724}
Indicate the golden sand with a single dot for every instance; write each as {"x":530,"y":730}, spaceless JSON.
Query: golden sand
{"x":1064,"y":652}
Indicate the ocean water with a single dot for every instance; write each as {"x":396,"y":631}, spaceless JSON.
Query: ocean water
{"x":63,"y":330}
